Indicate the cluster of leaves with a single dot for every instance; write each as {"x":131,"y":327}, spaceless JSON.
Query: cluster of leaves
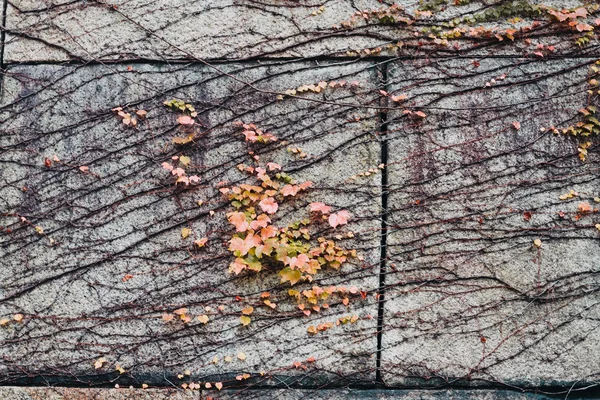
{"x":16,"y":318}
{"x":369,"y":172}
{"x":181,"y":106}
{"x":185,"y":121}
{"x":254,"y":135}
{"x":178,"y":171}
{"x":127,"y":119}
{"x":393,"y":14}
{"x":184,"y":315}
{"x":583,"y":207}
{"x":258,"y":243}
{"x":589,"y":125}
{"x":328,"y":325}
{"x":318,"y":87}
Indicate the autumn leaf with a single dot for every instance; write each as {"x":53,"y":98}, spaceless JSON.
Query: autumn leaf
{"x":290,"y":190}
{"x":185,"y":233}
{"x":185,"y":120}
{"x":167,"y":317}
{"x":99,"y":362}
{"x":269,"y":205}
{"x":182,"y":141}
{"x":167,"y":166}
{"x":185,"y":160}
{"x":268,"y":232}
{"x":273,"y":166}
{"x":340,"y":218}
{"x":244,"y":320}
{"x":527,"y":215}
{"x":260,"y":222}
{"x":248,"y":310}
{"x":203,"y":318}
{"x":201,"y":242}
{"x":238,"y":265}
{"x":241,"y":356}
{"x":584,"y":207}
{"x":180,"y":311}
{"x":318,"y":206}
{"x":517,"y":125}
{"x":238,"y":219}
{"x":537,"y":243}
{"x":398,"y":98}
{"x":84,"y":169}
{"x":18,"y":317}
{"x":290,"y":275}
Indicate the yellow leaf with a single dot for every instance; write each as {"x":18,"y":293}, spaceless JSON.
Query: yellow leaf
{"x":597,"y":227}
{"x":245,"y":320}
{"x":185,"y":233}
{"x":120,"y":369}
{"x":203,"y":318}
{"x":219,"y":385}
{"x":185,"y":140}
{"x":248,"y":310}
{"x":187,"y":372}
{"x":537,"y":243}
{"x":18,"y":317}
{"x":241,"y":356}
{"x":144,"y":386}
{"x":99,"y":362}
{"x":4,"y":321}
{"x":228,"y":358}
{"x":312,"y":329}
{"x":185,"y":160}
{"x":290,"y":275}
{"x":39,"y":230}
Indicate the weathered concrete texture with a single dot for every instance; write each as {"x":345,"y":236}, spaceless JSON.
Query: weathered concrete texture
{"x":469,"y":295}
{"x":58,"y":393}
{"x":111,"y":259}
{"x":18,"y":393}
{"x":233,"y":29}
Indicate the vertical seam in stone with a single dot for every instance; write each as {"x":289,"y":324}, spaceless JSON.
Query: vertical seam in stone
{"x":2,"y":42}
{"x":383,"y":78}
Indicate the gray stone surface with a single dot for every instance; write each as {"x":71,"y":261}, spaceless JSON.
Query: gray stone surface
{"x":469,"y":294}
{"x":241,"y":29}
{"x":17,"y":393}
{"x":123,"y":218}
{"x":491,"y":279}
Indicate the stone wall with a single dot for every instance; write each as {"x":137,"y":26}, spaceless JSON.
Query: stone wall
{"x":475,"y":225}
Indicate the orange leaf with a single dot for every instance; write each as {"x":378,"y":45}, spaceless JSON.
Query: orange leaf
{"x":584,"y":207}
